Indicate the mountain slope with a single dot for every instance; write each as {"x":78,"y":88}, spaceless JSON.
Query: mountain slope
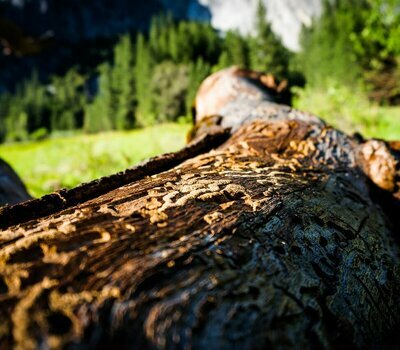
{"x":286,"y":16}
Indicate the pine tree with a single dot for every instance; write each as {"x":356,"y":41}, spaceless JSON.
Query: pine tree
{"x":123,"y":83}
{"x":66,"y":100}
{"x":143,"y":70}
{"x":198,"y":72}
{"x":235,"y":51}
{"x":100,"y":113}
{"x":173,"y":43}
{"x":154,"y":37}
{"x":16,"y":124}
{"x":169,"y":87}
{"x":187,"y":41}
{"x":224,"y":61}
{"x":34,"y":103}
{"x":237,"y":47}
{"x":267,"y":52}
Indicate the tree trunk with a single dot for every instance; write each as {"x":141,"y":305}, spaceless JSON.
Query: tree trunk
{"x":12,"y":190}
{"x":276,"y":234}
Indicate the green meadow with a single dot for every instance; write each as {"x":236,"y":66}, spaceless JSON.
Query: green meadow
{"x":350,"y":111}
{"x":66,"y":161}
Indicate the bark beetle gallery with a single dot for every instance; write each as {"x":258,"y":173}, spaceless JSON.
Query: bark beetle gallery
{"x":269,"y":230}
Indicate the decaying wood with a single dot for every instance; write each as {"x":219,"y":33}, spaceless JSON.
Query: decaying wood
{"x":12,"y":189}
{"x":278,"y":237}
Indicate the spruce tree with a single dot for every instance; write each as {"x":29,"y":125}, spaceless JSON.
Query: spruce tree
{"x":235,"y":51}
{"x":169,"y":87}
{"x":123,"y":83}
{"x":143,"y":70}
{"x":267,"y":52}
{"x":33,"y":103}
{"x":66,"y":100}
{"x":100,"y":113}
{"x":198,"y":72}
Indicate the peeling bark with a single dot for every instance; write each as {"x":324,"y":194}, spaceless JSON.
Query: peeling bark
{"x":272,"y":237}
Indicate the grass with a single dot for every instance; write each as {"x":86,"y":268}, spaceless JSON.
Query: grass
{"x":350,"y":111}
{"x":64,"y":162}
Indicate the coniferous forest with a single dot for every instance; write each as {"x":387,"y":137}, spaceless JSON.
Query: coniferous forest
{"x":152,"y":76}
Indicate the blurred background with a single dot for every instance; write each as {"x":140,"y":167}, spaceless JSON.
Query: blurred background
{"x":91,"y":87}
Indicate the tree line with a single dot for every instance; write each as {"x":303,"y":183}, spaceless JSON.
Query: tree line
{"x":355,"y":43}
{"x":153,"y":76}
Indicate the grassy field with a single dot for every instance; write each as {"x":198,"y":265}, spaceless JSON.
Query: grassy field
{"x":64,"y":162}
{"x":350,"y":111}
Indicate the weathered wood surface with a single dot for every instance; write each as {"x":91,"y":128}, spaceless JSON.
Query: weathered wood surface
{"x":281,"y":236}
{"x":12,"y":189}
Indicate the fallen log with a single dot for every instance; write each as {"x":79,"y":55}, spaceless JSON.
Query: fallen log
{"x":276,"y":232}
{"x":12,"y":189}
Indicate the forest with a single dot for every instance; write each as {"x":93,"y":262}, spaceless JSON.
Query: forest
{"x":349,"y":57}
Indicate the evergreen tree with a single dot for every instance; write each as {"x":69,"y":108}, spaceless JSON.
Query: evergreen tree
{"x":16,"y":124}
{"x":143,"y":71}
{"x":33,"y":102}
{"x":187,"y":41}
{"x":100,"y":113}
{"x":123,"y":83}
{"x":169,"y":87}
{"x":237,"y":47}
{"x":267,"y":52}
{"x":224,"y":61}
{"x":235,"y":51}
{"x":198,"y":72}
{"x":154,"y":37}
{"x":159,"y":36}
{"x":66,"y":100}
{"x":210,"y":44}
{"x":175,"y":50}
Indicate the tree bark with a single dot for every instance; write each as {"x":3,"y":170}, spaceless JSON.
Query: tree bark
{"x":12,"y":189}
{"x":271,"y":229}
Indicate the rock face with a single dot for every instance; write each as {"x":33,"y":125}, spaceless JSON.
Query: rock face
{"x":286,"y":16}
{"x":266,"y":232}
{"x":12,"y":189}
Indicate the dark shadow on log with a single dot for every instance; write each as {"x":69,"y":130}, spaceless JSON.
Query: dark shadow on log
{"x":12,"y":189}
{"x":274,"y":237}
